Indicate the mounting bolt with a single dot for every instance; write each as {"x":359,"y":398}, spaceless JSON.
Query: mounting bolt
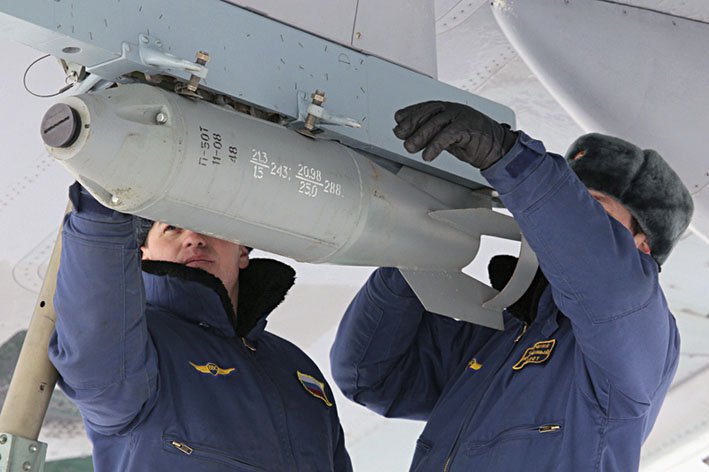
{"x":115,"y":200}
{"x":3,"y":438}
{"x":26,"y":466}
{"x":202,"y":59}
{"x":33,"y":448}
{"x":161,"y":118}
{"x":318,"y":98}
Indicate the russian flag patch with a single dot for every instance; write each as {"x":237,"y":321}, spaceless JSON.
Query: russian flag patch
{"x":313,"y":387}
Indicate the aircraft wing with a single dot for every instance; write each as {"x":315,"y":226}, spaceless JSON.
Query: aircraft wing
{"x":467,"y":50}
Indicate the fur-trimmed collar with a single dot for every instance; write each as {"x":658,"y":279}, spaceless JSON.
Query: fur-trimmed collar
{"x":262,"y":287}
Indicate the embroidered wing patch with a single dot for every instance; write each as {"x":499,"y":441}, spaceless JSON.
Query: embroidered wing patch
{"x":313,"y":387}
{"x":537,"y":354}
{"x":212,"y":368}
{"x":474,"y":365}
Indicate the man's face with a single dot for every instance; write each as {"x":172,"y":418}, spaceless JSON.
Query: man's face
{"x":618,"y":211}
{"x":223,"y":259}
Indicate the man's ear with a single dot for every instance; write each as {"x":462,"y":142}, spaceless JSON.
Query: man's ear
{"x":145,"y":253}
{"x":243,"y":257}
{"x":642,"y":243}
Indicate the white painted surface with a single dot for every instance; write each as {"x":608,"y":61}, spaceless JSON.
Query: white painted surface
{"x":471,"y":54}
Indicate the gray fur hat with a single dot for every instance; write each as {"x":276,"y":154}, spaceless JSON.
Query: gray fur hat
{"x":641,"y":180}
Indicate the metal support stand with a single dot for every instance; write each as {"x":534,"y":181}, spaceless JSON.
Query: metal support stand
{"x":32,"y":383}
{"x":21,"y":454}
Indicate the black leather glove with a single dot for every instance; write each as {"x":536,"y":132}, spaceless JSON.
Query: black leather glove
{"x":466,"y":133}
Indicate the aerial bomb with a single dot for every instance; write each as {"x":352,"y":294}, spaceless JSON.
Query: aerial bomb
{"x":143,"y":150}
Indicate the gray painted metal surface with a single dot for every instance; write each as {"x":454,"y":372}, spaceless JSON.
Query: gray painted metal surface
{"x":333,"y":19}
{"x":227,"y":174}
{"x":691,"y":9}
{"x":414,"y":42}
{"x":365,"y":25}
{"x":18,"y":454}
{"x":253,"y":58}
{"x":652,"y":91}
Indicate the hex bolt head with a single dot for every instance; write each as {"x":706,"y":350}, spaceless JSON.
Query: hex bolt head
{"x":202,"y":58}
{"x":60,"y":126}
{"x":33,"y":448}
{"x":161,"y":118}
{"x":115,"y":200}
{"x":26,"y":466}
{"x":318,"y":97}
{"x":3,"y":438}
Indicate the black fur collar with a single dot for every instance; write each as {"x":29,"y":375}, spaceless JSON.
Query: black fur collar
{"x":262,"y":287}
{"x":500,"y":270}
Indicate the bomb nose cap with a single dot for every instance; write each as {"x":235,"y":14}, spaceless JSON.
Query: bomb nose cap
{"x":60,"y":126}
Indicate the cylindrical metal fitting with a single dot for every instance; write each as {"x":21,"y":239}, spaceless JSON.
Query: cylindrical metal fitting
{"x":318,"y":98}
{"x":239,"y":178}
{"x":60,"y":126}
{"x":202,"y":58}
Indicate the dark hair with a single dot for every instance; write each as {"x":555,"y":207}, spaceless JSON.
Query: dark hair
{"x":142,"y":227}
{"x":635,"y":227}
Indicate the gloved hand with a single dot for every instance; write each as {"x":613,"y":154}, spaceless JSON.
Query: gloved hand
{"x":466,"y":133}
{"x":85,"y":203}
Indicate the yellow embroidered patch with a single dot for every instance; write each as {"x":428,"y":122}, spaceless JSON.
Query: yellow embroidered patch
{"x":212,"y":368}
{"x":313,"y":386}
{"x":474,"y":365}
{"x":537,"y":354}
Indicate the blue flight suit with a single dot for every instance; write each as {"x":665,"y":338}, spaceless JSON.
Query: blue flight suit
{"x":577,"y":390}
{"x":163,"y":380}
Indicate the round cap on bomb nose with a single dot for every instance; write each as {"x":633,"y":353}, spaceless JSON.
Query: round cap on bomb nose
{"x":60,"y":126}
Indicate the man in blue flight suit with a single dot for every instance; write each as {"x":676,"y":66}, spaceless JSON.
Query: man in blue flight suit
{"x":172,"y":369}
{"x":576,"y":379}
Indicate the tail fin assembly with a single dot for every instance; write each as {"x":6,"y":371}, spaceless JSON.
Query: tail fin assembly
{"x":461,"y":296}
{"x":454,"y":294}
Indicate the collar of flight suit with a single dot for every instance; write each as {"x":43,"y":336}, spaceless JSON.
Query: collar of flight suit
{"x":200,"y":297}
{"x":525,"y":309}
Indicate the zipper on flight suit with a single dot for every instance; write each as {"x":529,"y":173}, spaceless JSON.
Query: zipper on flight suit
{"x":549,"y":428}
{"x":182,"y":447}
{"x":524,"y":330}
{"x":249,"y":345}
{"x":470,"y":412}
{"x":212,"y":455}
{"x":251,"y":349}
